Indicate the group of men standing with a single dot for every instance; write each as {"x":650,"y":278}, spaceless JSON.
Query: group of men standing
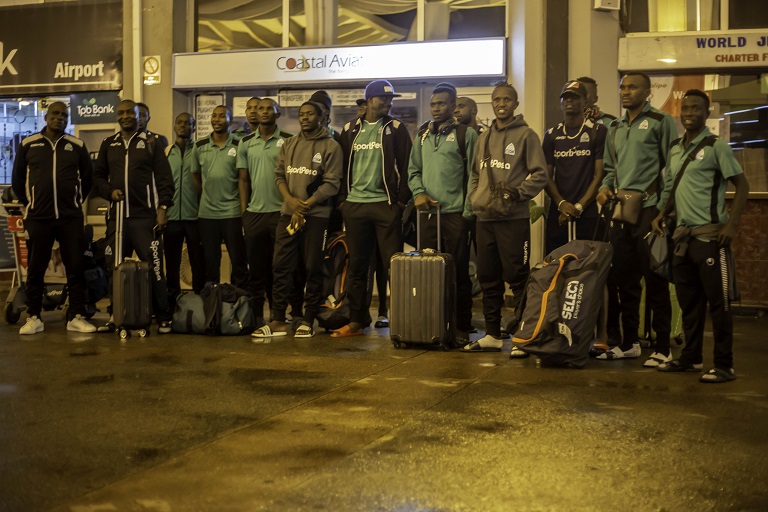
{"x":270,"y":197}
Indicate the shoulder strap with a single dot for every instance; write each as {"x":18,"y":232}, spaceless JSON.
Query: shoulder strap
{"x":706,"y":141}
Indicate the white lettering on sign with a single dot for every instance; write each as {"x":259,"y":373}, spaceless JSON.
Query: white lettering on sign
{"x":5,"y":62}
{"x":78,"y":71}
{"x":94,"y":110}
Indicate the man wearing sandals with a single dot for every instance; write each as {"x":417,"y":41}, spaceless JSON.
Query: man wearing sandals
{"x":308,"y":175}
{"x":510,"y":153}
{"x":700,"y":265}
{"x":635,"y":154}
{"x":376,"y":148}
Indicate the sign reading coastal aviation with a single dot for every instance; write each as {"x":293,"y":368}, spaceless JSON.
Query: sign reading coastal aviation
{"x":479,"y":58}
{"x":61,"y":47}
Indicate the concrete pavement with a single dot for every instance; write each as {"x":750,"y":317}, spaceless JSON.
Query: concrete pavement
{"x":192,"y":423}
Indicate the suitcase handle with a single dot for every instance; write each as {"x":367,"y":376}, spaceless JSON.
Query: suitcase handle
{"x":418,"y":227}
{"x":119,"y":219}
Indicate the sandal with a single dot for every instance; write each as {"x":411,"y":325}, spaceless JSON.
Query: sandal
{"x":304,"y":331}
{"x":267,"y":332}
{"x":718,"y":375}
{"x":346,"y":332}
{"x":485,"y":344}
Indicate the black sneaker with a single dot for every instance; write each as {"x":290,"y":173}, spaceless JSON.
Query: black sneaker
{"x":164,"y":327}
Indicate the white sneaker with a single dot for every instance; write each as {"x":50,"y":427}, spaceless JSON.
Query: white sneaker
{"x":80,"y":324}
{"x":617,"y":353}
{"x":657,"y":359}
{"x":33,"y":325}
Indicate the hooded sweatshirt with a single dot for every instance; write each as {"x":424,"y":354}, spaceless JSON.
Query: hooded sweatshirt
{"x":311,"y":165}
{"x":511,"y":154}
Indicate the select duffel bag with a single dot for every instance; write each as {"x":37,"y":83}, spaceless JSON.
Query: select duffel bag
{"x":562,"y":300}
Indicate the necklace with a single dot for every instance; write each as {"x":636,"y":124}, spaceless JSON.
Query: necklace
{"x":565,"y":129}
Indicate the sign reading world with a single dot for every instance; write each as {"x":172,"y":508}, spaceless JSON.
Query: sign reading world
{"x":707,"y":50}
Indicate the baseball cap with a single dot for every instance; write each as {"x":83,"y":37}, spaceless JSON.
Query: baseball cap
{"x":380,"y":88}
{"x":322,"y":98}
{"x":574,"y":87}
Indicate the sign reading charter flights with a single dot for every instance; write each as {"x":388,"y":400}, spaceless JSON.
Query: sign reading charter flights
{"x":61,"y":47}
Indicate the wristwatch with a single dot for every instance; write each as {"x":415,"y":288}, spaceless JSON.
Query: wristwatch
{"x":579,"y":207}
{"x":163,"y":207}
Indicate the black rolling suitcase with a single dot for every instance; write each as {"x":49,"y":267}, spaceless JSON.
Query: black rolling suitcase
{"x":131,"y":289}
{"x":422,"y":308}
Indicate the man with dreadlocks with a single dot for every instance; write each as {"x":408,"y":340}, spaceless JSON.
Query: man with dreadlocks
{"x":508,"y":158}
{"x":438,"y":174}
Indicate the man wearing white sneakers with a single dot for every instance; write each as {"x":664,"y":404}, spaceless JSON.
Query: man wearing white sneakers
{"x":51,"y":176}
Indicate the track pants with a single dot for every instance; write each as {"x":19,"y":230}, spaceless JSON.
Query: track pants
{"x":455,"y":241}
{"x":701,"y":278}
{"x":138,"y":236}
{"x":176,"y":233}
{"x":503,"y":249}
{"x":230,"y":231}
{"x":305,"y":246}
{"x":630,"y":264}
{"x":42,"y":233}
{"x":366,"y":222}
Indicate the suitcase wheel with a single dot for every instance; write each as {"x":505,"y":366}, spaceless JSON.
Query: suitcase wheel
{"x":124,"y":334}
{"x":143,"y":333}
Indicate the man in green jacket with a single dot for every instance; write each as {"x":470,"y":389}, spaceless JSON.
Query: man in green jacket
{"x":182,"y":216}
{"x":635,"y":155}
{"x":438,"y":175}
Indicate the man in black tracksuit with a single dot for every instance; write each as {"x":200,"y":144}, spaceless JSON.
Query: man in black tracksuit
{"x":51,"y":176}
{"x":373,"y":193}
{"x":132,"y":167}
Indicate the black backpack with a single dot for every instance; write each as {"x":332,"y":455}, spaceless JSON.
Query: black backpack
{"x":335,"y":312}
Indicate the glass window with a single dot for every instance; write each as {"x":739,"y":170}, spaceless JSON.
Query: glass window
{"x":744,"y":14}
{"x":19,"y":118}
{"x":671,"y":15}
{"x":739,"y":115}
{"x":247,"y":25}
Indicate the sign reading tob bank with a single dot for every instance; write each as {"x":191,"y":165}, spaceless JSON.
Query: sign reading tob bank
{"x":93,"y":108}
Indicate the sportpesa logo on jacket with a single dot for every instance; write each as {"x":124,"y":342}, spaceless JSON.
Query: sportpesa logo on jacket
{"x":301,"y":170}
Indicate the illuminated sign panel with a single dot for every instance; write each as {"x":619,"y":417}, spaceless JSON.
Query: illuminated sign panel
{"x":694,"y":50}
{"x":283,"y":66}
